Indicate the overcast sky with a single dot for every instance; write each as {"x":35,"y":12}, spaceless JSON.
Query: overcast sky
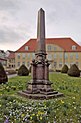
{"x":18,"y":20}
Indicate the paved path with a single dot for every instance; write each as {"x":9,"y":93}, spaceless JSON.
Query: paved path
{"x":13,"y":75}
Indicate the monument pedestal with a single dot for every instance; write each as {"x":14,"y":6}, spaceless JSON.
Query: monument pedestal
{"x":40,"y":86}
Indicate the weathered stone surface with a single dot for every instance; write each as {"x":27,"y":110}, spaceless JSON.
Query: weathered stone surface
{"x":40,"y":86}
{"x":41,"y":32}
{"x":40,"y":96}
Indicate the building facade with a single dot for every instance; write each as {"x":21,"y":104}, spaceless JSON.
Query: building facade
{"x":11,"y":60}
{"x":59,"y":51}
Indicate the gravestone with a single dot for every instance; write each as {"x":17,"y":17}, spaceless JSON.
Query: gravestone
{"x":40,"y":86}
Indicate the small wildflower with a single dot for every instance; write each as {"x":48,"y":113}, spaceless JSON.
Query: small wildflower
{"x":33,"y":114}
{"x":74,"y":107}
{"x":62,"y":101}
{"x":73,"y":97}
{"x":40,"y":118}
{"x":31,"y":117}
{"x":6,"y":121}
{"x":37,"y":115}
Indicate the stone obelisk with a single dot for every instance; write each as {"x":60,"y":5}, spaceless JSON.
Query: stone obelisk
{"x":40,"y":86}
{"x":41,"y":31}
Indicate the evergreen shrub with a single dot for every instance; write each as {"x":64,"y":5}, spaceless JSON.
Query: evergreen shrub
{"x":74,"y":71}
{"x":23,"y":71}
{"x":64,"y":69}
{"x":3,"y":75}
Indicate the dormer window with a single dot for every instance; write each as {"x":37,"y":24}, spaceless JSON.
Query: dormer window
{"x":26,"y":48}
{"x":74,"y":47}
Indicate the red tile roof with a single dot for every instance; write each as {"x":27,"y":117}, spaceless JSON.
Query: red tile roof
{"x":65,"y":43}
{"x":11,"y":56}
{"x":31,"y":45}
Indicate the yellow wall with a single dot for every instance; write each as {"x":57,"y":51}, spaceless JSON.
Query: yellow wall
{"x":56,"y":56}
{"x":25,"y":58}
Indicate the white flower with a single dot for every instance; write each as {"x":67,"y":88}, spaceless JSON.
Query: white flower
{"x":74,"y":107}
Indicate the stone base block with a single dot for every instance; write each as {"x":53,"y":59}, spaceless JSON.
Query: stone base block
{"x":39,"y":85}
{"x":40,"y":89}
{"x":42,"y":95}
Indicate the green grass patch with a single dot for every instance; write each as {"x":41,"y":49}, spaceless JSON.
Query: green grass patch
{"x":66,"y":109}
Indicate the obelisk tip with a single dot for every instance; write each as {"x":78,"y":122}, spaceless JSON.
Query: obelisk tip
{"x":41,"y":31}
{"x":41,"y":9}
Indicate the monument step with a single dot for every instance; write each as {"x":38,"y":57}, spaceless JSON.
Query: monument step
{"x":55,"y":95}
{"x":34,"y":91}
{"x":47,"y":89}
{"x":40,"y":83}
{"x":39,"y":96}
{"x":48,"y":93}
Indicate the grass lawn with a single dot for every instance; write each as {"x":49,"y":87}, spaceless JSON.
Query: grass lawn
{"x":66,"y":109}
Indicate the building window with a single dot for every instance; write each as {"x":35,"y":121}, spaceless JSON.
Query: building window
{"x":23,"y":56}
{"x":18,"y":56}
{"x":60,"y":55}
{"x":9,"y":66}
{"x":74,"y":47}
{"x":9,"y":60}
{"x":26,"y":48}
{"x":60,"y":64}
{"x":55,"y":56}
{"x":55,"y":64}
{"x":23,"y":63}
{"x":66,"y":55}
{"x":28,"y":55}
{"x":76,"y":55}
{"x":33,"y":55}
{"x":55,"y":48}
{"x":49,"y":57}
{"x":18,"y":64}
{"x":71,"y":55}
{"x":49,"y":48}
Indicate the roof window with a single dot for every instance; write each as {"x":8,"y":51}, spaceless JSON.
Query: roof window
{"x":26,"y":48}
{"x":74,"y":47}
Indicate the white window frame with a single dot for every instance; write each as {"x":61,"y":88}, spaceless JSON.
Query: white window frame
{"x":26,"y":48}
{"x":74,"y":47}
